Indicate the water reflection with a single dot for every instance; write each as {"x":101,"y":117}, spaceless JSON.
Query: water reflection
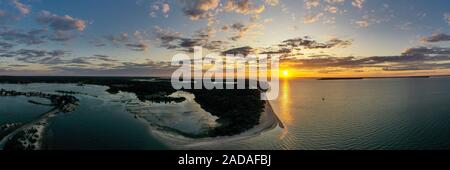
{"x":284,"y":101}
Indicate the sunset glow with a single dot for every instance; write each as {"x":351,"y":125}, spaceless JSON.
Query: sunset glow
{"x":285,"y":73}
{"x":319,"y":38}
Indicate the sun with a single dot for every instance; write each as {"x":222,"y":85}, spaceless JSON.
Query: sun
{"x":285,"y":73}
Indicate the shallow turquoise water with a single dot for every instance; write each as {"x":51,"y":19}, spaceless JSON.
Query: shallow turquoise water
{"x":99,"y":122}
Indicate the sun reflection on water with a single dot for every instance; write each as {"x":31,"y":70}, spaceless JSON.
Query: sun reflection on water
{"x":285,"y":104}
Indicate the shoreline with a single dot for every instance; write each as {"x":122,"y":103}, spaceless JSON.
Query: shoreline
{"x":268,"y":121}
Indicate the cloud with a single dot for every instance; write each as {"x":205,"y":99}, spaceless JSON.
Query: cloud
{"x":312,"y":18}
{"x":18,"y":11}
{"x":353,"y":62}
{"x":5,"y":46}
{"x":365,"y":21}
{"x":118,"y":69}
{"x":415,"y":67}
{"x":243,"y":7}
{"x":32,"y":53}
{"x":175,"y":40}
{"x":32,"y":37}
{"x":23,"y":9}
{"x":167,"y":38}
{"x":307,"y":43}
{"x":157,"y":6}
{"x":60,"y":23}
{"x":447,"y":18}
{"x":117,"y":39}
{"x":35,"y":36}
{"x":427,"y":51}
{"x":103,"y":58}
{"x":281,"y":51}
{"x":334,"y":1}
{"x":290,"y":47}
{"x":165,"y":8}
{"x":55,"y":58}
{"x":239,"y":51}
{"x":138,"y":46}
{"x":309,"y":4}
{"x":37,"y":56}
{"x":272,"y":2}
{"x":362,"y":23}
{"x":332,"y":9}
{"x":138,"y":41}
{"x":200,"y":9}
{"x":416,"y":58}
{"x":358,"y":3}
{"x":419,"y":58}
{"x":436,"y":38}
{"x":240,"y":29}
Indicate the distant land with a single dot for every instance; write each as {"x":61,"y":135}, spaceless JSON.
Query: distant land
{"x":359,"y":78}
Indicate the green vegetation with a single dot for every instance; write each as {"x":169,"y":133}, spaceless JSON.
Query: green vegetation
{"x":238,"y":110}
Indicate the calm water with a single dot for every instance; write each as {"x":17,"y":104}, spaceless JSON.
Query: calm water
{"x":355,"y":114}
{"x":359,"y":114}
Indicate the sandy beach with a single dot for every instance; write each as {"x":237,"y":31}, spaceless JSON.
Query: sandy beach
{"x":268,"y":120}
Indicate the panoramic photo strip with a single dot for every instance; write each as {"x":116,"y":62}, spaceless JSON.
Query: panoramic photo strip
{"x":224,"y":83}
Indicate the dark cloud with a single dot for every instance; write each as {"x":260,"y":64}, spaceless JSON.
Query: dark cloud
{"x":35,"y":36}
{"x":420,"y":58}
{"x":215,"y":45}
{"x":138,"y":46}
{"x":61,"y":36}
{"x":88,"y":61}
{"x":239,"y":51}
{"x":119,"y":69}
{"x":293,"y":47}
{"x":277,"y":51}
{"x":60,"y":23}
{"x":137,"y":42}
{"x":101,"y":56}
{"x":175,"y":40}
{"x":79,"y":61}
{"x":56,"y":58}
{"x":416,"y":58}
{"x":117,"y":39}
{"x":32,"y":53}
{"x":167,"y":39}
{"x":187,"y":44}
{"x":436,"y":38}
{"x":39,"y":56}
{"x":17,"y":65}
{"x":422,"y":66}
{"x":307,"y":43}
{"x":35,"y":56}
{"x":200,"y":9}
{"x":427,"y":51}
{"x":240,"y":30}
{"x":5,"y":46}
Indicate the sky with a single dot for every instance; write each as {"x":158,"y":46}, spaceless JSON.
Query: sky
{"x":315,"y":38}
